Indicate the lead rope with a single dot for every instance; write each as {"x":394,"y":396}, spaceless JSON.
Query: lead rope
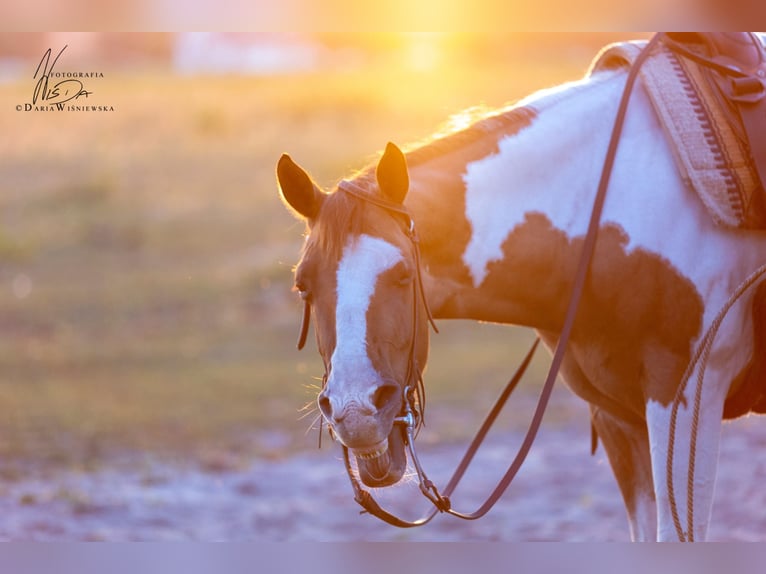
{"x":701,"y":356}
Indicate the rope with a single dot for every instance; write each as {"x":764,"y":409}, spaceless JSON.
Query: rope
{"x":701,"y":356}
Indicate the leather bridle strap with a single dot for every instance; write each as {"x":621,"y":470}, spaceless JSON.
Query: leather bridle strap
{"x":304,"y":324}
{"x":582,"y":274}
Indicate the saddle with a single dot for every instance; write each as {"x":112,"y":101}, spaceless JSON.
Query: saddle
{"x":735,"y":63}
{"x":709,"y":91}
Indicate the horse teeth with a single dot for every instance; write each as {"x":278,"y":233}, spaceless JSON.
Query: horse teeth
{"x":371,"y":455}
{"x":377,"y":451}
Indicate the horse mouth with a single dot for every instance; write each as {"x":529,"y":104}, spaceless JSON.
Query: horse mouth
{"x":385,"y":463}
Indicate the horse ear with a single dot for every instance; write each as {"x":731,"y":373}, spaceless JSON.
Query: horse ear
{"x":391,"y":174}
{"x":297,"y":189}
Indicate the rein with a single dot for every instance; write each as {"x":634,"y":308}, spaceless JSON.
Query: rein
{"x":412,"y":415}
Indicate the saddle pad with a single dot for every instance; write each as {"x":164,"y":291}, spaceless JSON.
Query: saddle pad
{"x":711,"y":151}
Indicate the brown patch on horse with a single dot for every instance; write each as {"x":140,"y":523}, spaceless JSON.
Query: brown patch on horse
{"x":637,"y":320}
{"x":749,"y":388}
{"x":433,"y":166}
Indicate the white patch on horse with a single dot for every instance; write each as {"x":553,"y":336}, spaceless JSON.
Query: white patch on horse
{"x":643,"y":523}
{"x":705,"y":460}
{"x":561,"y":155}
{"x":658,"y":422}
{"x":364,"y":259}
{"x":503,"y":187}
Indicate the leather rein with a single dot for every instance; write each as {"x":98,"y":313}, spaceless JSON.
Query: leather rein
{"x":412,"y":414}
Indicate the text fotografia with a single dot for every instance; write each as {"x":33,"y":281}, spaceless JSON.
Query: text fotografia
{"x":61,"y":91}
{"x":72,"y":75}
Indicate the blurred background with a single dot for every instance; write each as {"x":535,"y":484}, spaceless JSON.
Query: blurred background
{"x":145,"y":257}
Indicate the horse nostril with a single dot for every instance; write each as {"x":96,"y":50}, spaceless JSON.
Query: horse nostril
{"x":384,"y":395}
{"x":325,"y":406}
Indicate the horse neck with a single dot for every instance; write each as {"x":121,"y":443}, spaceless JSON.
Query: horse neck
{"x":495,"y":215}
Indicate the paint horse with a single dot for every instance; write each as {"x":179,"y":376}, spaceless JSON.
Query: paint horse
{"x":501,"y":209}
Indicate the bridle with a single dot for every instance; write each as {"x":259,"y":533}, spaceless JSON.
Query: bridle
{"x":412,"y":413}
{"x":413,"y":404}
{"x":414,"y":395}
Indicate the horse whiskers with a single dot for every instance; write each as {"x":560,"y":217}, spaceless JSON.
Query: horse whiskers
{"x":308,"y":409}
{"x":329,"y":431}
{"x":313,"y":387}
{"x":318,"y":418}
{"x":313,"y":424}
{"x":320,"y":427}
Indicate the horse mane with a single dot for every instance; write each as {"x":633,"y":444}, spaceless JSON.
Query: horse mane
{"x":442,"y":143}
{"x":342,"y":215}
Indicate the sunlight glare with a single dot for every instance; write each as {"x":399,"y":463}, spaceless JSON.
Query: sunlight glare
{"x":425,"y":51}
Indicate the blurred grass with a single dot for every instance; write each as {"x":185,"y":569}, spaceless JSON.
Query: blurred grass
{"x":145,"y":258}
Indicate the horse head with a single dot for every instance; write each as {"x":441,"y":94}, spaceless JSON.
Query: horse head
{"x":359,"y":272}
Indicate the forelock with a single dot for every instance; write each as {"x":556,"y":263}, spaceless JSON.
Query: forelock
{"x":341,"y":216}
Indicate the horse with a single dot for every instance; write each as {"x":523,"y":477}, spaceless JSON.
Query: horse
{"x":501,"y":209}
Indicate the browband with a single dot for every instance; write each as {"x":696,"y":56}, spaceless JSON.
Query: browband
{"x":353,"y":189}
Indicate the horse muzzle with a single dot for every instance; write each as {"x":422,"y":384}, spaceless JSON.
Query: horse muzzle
{"x":361,"y":426}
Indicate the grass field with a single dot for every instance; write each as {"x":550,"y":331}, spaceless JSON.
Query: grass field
{"x":145,"y":258}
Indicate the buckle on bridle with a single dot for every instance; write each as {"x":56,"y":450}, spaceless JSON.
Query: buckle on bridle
{"x":410,"y":420}
{"x":410,"y":417}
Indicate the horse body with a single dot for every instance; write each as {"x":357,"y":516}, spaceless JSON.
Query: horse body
{"x":502,"y":210}
{"x":661,"y":272}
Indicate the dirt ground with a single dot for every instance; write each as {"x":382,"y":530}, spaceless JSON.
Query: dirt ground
{"x":562,"y":493}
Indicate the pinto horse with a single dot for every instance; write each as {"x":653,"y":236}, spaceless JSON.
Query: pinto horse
{"x":501,"y":209}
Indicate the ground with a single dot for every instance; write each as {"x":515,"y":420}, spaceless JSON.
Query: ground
{"x":562,"y":493}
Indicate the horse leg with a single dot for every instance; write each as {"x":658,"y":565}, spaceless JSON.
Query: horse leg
{"x":625,"y":441}
{"x":685,"y":498}
{"x":627,"y":447}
